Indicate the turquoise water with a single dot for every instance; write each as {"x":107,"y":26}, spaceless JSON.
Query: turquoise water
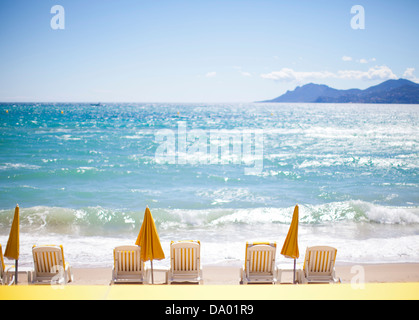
{"x":84,"y":174}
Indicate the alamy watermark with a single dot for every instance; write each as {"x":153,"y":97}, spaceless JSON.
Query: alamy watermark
{"x":358,"y":280}
{"x":212,"y":147}
{"x":58,"y":20}
{"x":58,"y":281}
{"x":358,"y":20}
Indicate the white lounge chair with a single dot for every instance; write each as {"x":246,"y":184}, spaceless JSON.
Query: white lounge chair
{"x":128,"y":266}
{"x":50,"y":265}
{"x":259,"y":264}
{"x":185,"y":262}
{"x":5,"y":271}
{"x":319,"y":265}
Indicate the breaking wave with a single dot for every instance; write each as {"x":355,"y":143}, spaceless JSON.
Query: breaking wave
{"x":102,"y":221}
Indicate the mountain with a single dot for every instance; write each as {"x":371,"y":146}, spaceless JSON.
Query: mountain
{"x":400,"y":91}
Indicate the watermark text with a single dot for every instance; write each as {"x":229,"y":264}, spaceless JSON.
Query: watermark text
{"x":215,"y":147}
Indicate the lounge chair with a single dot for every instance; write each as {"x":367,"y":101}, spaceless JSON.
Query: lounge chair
{"x":4,"y":270}
{"x":319,"y":265}
{"x":128,"y":266}
{"x":50,"y":265}
{"x":259,"y":264}
{"x":185,"y":262}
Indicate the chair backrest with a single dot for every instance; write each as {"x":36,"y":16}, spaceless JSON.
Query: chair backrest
{"x":260,"y":257}
{"x":47,"y":258}
{"x":185,"y":256}
{"x":127,"y":259}
{"x":319,"y":260}
{"x":2,"y":266}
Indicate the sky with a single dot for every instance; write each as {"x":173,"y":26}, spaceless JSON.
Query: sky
{"x":199,"y":50}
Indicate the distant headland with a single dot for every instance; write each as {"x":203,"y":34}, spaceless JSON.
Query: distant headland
{"x":400,"y":91}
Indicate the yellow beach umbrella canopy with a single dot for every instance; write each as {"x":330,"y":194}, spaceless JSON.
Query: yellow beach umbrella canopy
{"x":148,"y":239}
{"x":12,"y":248}
{"x":290,"y":247}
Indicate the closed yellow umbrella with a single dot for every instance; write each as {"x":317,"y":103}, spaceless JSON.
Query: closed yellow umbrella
{"x":12,"y":248}
{"x":149,"y":241}
{"x":290,"y":247}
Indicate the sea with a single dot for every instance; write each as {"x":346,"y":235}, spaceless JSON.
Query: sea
{"x":222,"y":173}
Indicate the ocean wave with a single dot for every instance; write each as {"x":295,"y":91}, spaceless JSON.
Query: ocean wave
{"x":103,"y":221}
{"x":327,"y":161}
{"x":68,"y":137}
{"x":88,"y":221}
{"x":387,"y":215}
{"x":347,"y":211}
{"x":16,"y":166}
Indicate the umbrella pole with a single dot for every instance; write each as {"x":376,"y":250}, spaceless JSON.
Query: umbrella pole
{"x":294,"y":271}
{"x":16,"y":272}
{"x":152,"y":276}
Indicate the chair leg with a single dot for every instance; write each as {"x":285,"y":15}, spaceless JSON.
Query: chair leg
{"x":147,"y":279}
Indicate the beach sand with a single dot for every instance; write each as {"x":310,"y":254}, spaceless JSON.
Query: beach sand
{"x":229,"y":275}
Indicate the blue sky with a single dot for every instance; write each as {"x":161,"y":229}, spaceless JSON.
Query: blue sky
{"x":200,"y":51}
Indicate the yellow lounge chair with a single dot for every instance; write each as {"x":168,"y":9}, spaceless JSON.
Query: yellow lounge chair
{"x":128,"y":266}
{"x":50,"y":265}
{"x":185,"y":262}
{"x":259,"y":264}
{"x":319,"y":265}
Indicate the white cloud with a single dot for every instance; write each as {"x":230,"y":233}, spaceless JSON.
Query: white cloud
{"x":243,"y":73}
{"x":364,"y":61}
{"x":211,"y":74}
{"x":287,"y":74}
{"x":409,"y":75}
{"x":375,"y":73}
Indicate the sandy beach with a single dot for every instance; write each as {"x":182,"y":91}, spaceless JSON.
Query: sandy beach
{"x":228,"y":275}
{"x":382,"y":282}
{"x":225,"y":275}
